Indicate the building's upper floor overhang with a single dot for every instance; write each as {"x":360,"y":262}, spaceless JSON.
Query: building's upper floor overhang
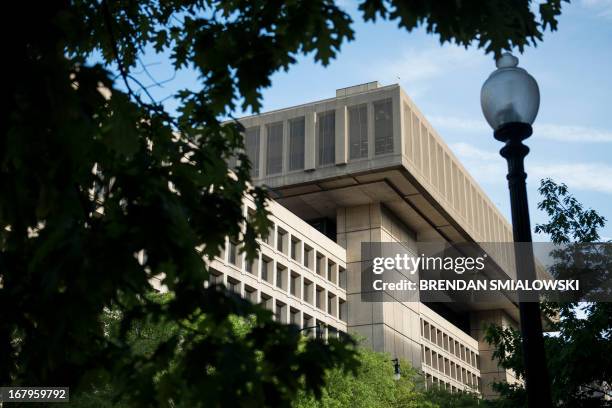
{"x":360,"y":136}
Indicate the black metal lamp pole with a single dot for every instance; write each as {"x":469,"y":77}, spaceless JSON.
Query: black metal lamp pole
{"x":536,"y":374}
{"x":318,"y":330}
{"x":510,"y":100}
{"x":396,"y":369}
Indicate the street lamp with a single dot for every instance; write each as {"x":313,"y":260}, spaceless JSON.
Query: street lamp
{"x":318,"y":330}
{"x":396,"y":369}
{"x":510,"y":99}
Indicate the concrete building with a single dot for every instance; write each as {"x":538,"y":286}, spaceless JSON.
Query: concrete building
{"x":366,"y":166}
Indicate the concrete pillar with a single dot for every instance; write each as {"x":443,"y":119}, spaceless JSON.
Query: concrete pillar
{"x":490,"y":372}
{"x":389,"y":326}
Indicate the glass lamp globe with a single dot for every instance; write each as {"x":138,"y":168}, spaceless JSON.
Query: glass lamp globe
{"x":510,"y":94}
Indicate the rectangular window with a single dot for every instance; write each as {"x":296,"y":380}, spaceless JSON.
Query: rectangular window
{"x":342,"y":310}
{"x":320,"y":266}
{"x":216,"y":277}
{"x":320,"y":300}
{"x":331,"y":271}
{"x":383,"y":127}
{"x":308,"y":322}
{"x":281,"y":277}
{"x":327,"y":138}
{"x":296,"y":143}
{"x":294,"y":284}
{"x":270,"y":237}
{"x":308,"y":289}
{"x":331,"y":303}
{"x":250,"y":294}
{"x":281,"y":240}
{"x":233,"y":285}
{"x":308,"y":256}
{"x":280,"y":314}
{"x":252,"y":266}
{"x":251,"y":145}
{"x":233,"y":252}
{"x":296,"y":250}
{"x":342,"y":277}
{"x":266,"y":269}
{"x":358,"y":131}
{"x":294,"y":316}
{"x":275,"y":148}
{"x":266,"y":301}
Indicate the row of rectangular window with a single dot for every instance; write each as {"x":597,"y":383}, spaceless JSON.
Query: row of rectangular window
{"x":294,"y":248}
{"x":291,"y":281}
{"x":300,"y":252}
{"x":326,"y":138}
{"x":446,"y":342}
{"x":449,"y":368}
{"x":433,"y":381}
{"x":313,"y":294}
{"x":299,"y":286}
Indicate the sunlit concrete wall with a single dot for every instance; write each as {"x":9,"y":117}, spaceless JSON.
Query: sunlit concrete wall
{"x":299,"y":274}
{"x":447,"y":356}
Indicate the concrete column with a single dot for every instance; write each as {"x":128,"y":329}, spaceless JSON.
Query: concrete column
{"x":490,"y":372}
{"x":389,"y":326}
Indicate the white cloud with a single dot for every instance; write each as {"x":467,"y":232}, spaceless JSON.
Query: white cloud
{"x":488,"y":167}
{"x":559,"y":133}
{"x":566,"y":133}
{"x":603,"y":8}
{"x":580,"y":176}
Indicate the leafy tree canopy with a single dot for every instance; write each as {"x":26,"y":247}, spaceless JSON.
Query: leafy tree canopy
{"x":102,"y":189}
{"x":579,"y":354}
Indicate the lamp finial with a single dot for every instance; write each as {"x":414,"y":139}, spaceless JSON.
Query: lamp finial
{"x":507,"y":60}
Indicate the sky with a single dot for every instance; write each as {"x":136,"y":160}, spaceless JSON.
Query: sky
{"x":572,"y":139}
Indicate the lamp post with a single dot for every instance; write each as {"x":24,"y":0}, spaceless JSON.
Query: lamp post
{"x":396,"y":369}
{"x":318,"y":330}
{"x":510,"y":99}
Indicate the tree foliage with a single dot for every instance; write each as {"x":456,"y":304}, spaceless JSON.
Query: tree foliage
{"x":579,"y":355}
{"x":494,"y":25}
{"x":373,"y":386}
{"x":102,"y":188}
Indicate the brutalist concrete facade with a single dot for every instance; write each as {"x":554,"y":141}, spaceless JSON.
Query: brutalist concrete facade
{"x":366,"y":166}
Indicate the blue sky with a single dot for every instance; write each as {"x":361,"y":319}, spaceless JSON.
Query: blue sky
{"x":572,"y":139}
